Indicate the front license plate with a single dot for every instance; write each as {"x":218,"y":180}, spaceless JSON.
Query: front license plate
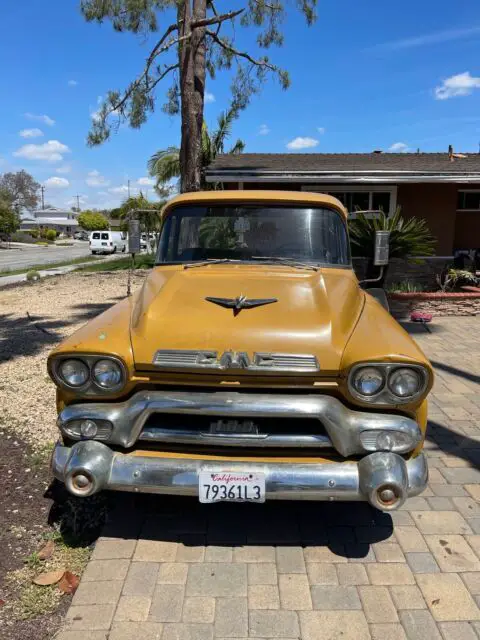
{"x":228,"y":486}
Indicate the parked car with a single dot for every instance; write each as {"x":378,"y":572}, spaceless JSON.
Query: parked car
{"x":250,"y":365}
{"x":81,"y":235}
{"x":108,"y":242}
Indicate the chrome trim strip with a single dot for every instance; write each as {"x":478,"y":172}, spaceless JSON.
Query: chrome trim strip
{"x":263,"y":440}
{"x":342,"y":425}
{"x":293,"y":481}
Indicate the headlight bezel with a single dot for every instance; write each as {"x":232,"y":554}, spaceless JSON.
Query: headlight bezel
{"x":385,"y":396}
{"x":91,"y":387}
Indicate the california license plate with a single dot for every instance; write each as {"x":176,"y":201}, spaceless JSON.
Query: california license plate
{"x":229,"y":486}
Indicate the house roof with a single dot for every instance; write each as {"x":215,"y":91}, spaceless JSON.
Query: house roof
{"x":346,"y":167}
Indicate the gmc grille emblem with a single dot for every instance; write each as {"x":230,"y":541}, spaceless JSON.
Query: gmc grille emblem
{"x":230,"y":360}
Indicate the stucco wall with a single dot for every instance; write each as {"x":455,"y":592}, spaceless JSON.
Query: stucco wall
{"x":437,"y":203}
{"x":467,"y":230}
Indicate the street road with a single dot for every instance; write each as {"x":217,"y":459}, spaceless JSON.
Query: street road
{"x":27,"y":256}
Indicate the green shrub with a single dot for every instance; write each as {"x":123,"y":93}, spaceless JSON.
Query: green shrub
{"x":22,"y":236}
{"x":51,"y":235}
{"x":405,"y":287}
{"x":33,"y":276}
{"x":34,"y":233}
{"x":456,"y":278}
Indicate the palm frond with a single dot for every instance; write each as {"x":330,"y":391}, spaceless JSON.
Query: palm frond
{"x":408,"y":237}
{"x":238,"y":147}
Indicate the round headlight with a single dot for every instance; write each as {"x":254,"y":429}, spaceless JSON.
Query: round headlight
{"x":74,"y":372}
{"x":404,"y":382}
{"x":368,"y":381}
{"x":107,"y":374}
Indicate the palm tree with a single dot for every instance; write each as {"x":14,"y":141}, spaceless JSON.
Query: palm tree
{"x":165,"y":164}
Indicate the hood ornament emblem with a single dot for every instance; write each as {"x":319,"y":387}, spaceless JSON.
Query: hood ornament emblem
{"x":240,"y":302}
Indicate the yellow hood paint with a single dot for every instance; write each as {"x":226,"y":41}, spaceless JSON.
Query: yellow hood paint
{"x":315,"y":312}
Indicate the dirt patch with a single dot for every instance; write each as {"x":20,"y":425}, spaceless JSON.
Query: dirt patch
{"x":24,"y":510}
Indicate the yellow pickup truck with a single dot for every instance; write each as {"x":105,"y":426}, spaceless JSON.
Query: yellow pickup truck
{"x":249,"y":366}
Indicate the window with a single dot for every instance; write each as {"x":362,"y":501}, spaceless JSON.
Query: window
{"x":95,"y":236}
{"x":468,"y":200}
{"x":252,"y":233}
{"x":105,"y":236}
{"x":365,"y":198}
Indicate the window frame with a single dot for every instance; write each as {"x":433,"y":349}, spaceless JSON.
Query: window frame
{"x":350,"y":188}
{"x":459,"y":191}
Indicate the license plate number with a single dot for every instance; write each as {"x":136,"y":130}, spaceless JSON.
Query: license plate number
{"x":228,"y":486}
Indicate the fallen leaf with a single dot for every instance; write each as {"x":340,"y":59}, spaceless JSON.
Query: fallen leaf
{"x":69,"y":583}
{"x":48,"y":578}
{"x":46,"y":552}
{"x":434,"y":602}
{"x":2,"y":602}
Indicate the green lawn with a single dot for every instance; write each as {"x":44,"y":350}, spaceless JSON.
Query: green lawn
{"x":142,"y":261}
{"x":50,"y":265}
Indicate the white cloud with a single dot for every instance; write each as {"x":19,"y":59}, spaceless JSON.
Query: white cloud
{"x":51,"y":151}
{"x":30,"y":133}
{"x":263,"y":130}
{"x":399,"y":147}
{"x":209,"y":97}
{"x":302,"y":143}
{"x":72,"y":83}
{"x":148,"y":182}
{"x":430,"y":38}
{"x":45,"y":119}
{"x":462,"y":84}
{"x":321,"y":130}
{"x":57,"y":183}
{"x":95,"y":179}
{"x":123,"y":189}
{"x":66,"y":168}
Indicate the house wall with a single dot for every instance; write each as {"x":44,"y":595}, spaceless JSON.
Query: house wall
{"x":437,"y":204}
{"x":467,"y":230}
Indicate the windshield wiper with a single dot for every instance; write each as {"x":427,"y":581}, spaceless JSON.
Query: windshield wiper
{"x":291,"y":262}
{"x":202,"y":263}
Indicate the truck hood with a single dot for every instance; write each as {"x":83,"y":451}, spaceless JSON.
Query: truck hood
{"x":315,"y":312}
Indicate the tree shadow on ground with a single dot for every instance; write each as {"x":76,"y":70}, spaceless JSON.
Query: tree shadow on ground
{"x":416,"y":328}
{"x":27,"y":335}
{"x":345,"y":530}
{"x":459,"y":373}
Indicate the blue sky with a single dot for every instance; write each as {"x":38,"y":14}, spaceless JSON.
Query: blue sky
{"x":368,"y":75}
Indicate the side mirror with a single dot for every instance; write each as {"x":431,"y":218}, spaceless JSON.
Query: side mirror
{"x":382,"y":247}
{"x":133,"y":236}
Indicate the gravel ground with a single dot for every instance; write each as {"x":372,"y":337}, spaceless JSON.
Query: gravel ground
{"x":34,"y":318}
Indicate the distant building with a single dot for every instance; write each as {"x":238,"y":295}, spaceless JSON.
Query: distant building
{"x":62,"y":220}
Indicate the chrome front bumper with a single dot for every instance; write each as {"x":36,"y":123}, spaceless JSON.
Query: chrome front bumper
{"x":339,"y":426}
{"x":91,"y":466}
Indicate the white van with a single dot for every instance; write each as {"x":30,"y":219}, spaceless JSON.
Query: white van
{"x":108,"y":242}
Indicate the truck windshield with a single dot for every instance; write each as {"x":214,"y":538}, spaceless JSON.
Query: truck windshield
{"x":250,"y":233}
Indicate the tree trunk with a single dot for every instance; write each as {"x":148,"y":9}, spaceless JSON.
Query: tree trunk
{"x":192,"y":88}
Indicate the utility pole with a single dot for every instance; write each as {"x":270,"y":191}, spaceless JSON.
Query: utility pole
{"x":78,"y":201}
{"x":42,"y":189}
{"x":128,"y":187}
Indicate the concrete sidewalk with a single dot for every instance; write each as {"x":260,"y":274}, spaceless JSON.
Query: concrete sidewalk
{"x":172,"y":569}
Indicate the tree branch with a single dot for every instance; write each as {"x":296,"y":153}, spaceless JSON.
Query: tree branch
{"x":272,"y":7}
{"x":216,"y":19}
{"x":241,"y":54}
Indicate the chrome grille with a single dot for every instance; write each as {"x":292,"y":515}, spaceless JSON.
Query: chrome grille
{"x":261,"y":361}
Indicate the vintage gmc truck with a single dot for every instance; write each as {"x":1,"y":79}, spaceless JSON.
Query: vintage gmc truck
{"x":249,"y":366}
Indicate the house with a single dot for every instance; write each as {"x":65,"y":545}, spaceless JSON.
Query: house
{"x":62,"y":220}
{"x":442,"y":188}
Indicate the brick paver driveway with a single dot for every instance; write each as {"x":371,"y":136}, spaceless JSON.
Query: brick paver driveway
{"x":171,"y":569}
